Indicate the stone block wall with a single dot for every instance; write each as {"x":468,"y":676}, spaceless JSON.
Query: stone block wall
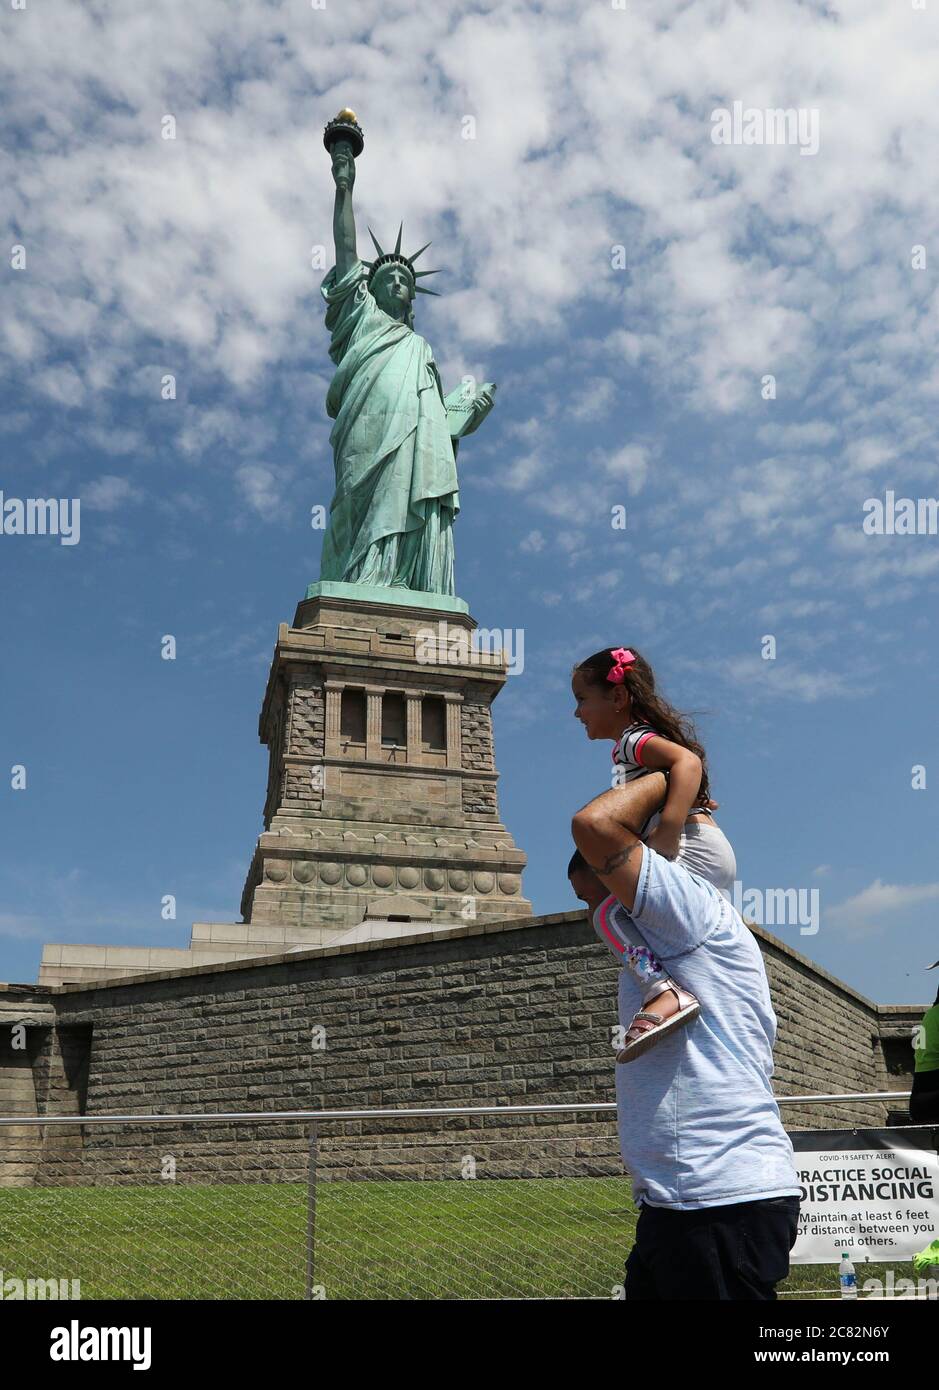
{"x":476,"y":730}
{"x":43,"y":1070}
{"x":344,"y":815}
{"x":276,"y":774}
{"x":479,"y":798}
{"x":20,"y":1145}
{"x":485,"y":1015}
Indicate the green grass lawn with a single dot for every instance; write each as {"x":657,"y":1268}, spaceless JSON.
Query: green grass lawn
{"x":476,"y":1239}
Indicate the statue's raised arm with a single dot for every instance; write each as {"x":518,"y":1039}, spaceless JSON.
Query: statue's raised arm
{"x":343,"y":152}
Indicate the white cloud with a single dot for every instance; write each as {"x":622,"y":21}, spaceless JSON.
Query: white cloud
{"x":204,"y":240}
{"x":631,"y":463}
{"x":592,"y":130}
{"x":262,"y":489}
{"x":238,"y":430}
{"x":882,"y":903}
{"x":865,"y":455}
{"x":812,"y":434}
{"x":113,"y":439}
{"x":595,"y":402}
{"x":532,"y":543}
{"x":786,"y":610}
{"x":787,"y":680}
{"x":20,"y":926}
{"x":61,"y":384}
{"x":522,"y":472}
{"x":108,"y":493}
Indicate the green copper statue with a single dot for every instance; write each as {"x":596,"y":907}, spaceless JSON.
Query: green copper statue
{"x":395,"y":435}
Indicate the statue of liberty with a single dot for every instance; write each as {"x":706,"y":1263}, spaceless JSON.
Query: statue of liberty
{"x":395,"y":435}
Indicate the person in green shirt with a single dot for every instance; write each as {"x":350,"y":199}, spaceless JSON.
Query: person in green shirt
{"x":924,"y":1097}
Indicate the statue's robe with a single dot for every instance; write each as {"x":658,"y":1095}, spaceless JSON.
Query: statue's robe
{"x":391,"y":518}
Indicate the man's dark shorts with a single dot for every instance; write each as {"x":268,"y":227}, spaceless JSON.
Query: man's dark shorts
{"x":735,"y":1251}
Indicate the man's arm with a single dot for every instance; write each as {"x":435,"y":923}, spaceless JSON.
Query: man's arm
{"x":343,"y":219}
{"x":679,"y":910}
{"x":606,"y":833}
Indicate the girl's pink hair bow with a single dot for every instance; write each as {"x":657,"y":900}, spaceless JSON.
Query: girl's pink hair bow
{"x":624,"y":657}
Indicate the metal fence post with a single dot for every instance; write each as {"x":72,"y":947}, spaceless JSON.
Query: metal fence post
{"x":311,"y":1212}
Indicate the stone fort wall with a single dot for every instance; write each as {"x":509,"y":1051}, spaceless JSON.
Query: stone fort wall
{"x":504,"y":1013}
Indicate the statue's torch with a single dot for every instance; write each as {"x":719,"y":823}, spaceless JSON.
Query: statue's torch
{"x":344,"y":127}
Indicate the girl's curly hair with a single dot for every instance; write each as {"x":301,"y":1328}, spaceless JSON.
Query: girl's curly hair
{"x":648,"y":706}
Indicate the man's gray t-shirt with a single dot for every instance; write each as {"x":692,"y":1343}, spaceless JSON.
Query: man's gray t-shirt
{"x":698,"y":1124}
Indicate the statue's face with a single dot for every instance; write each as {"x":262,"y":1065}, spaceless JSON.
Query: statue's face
{"x":393,"y":291}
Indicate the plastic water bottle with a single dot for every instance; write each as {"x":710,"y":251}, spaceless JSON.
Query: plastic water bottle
{"x":847,"y":1277}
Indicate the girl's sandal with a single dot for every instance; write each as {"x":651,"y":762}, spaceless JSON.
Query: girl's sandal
{"x":648,"y":1028}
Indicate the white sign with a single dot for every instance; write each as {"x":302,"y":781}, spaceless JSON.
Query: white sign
{"x":872,"y":1192}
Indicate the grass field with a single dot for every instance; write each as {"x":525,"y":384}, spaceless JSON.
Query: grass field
{"x":480,"y":1239}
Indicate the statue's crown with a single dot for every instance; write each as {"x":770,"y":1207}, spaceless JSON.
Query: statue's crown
{"x":397,"y":257}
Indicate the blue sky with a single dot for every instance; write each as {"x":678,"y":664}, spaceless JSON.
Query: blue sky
{"x":631,"y":378}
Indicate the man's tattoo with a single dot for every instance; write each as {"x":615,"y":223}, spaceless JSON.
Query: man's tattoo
{"x":613,"y":861}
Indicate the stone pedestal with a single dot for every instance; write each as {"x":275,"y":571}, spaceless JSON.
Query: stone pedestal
{"x":382,"y":782}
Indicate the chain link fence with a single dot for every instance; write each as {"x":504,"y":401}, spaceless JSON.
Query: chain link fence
{"x":138,"y":1210}
{"x":495,"y":1202}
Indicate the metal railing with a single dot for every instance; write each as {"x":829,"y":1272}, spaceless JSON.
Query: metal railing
{"x":341,"y":1203}
{"x":405,"y":1113}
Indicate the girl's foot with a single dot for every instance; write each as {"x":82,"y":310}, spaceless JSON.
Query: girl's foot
{"x":648,"y":1027}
